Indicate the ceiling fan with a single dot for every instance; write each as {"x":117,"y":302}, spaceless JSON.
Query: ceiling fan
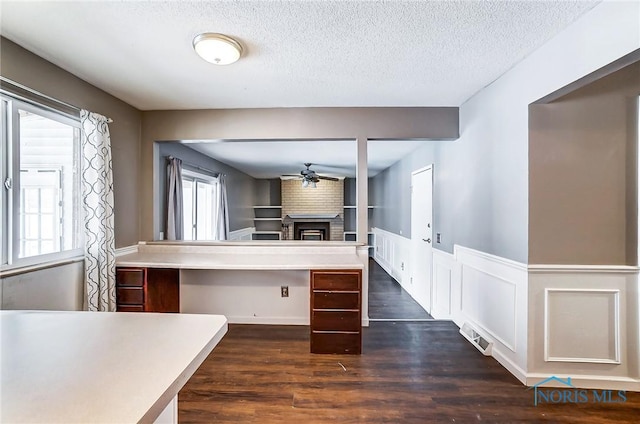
{"x":309,"y":176}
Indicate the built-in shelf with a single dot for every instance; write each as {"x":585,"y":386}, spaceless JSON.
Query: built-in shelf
{"x":266,"y":235}
{"x":268,"y":221}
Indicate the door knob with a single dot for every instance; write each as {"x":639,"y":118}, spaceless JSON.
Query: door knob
{"x":427,"y":240}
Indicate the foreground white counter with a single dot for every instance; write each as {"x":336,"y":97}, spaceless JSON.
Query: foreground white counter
{"x":98,"y":367}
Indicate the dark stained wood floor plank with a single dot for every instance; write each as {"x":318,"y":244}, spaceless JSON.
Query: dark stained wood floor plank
{"x":410,"y":372}
{"x":387,"y":298}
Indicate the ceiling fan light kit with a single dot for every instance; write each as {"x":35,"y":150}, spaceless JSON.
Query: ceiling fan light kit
{"x":218,"y":49}
{"x":310,"y":178}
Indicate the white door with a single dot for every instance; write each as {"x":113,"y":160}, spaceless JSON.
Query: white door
{"x":421,"y":235}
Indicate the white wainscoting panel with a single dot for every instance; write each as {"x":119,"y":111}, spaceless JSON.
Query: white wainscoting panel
{"x":393,"y":253}
{"x":242,"y":234}
{"x":489,"y":293}
{"x":584,"y":323}
{"x":568,"y":336}
{"x":578,"y":321}
{"x":490,"y":303}
{"x":446,"y":284}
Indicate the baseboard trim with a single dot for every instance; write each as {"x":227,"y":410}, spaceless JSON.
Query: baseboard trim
{"x":514,"y":369}
{"x":597,"y":382}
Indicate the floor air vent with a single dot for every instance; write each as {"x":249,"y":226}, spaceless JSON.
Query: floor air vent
{"x":482,"y":344}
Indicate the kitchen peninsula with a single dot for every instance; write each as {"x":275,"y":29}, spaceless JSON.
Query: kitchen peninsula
{"x":252,"y":282}
{"x":247,"y":255}
{"x":100,"y":367}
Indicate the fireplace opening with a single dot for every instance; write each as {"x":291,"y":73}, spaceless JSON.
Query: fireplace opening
{"x":311,"y":230}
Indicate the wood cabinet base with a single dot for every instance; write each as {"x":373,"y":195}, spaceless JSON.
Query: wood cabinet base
{"x":147,"y":289}
{"x":336,"y":311}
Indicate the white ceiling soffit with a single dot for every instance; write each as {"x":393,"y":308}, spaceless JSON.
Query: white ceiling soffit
{"x":297,"y":53}
{"x":335,"y":158}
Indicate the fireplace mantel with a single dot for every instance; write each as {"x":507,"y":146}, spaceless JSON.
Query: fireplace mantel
{"x":312,"y":216}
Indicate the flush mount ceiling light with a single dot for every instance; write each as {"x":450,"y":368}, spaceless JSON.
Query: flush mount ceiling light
{"x":218,"y":49}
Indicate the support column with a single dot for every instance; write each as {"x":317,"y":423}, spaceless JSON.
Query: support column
{"x":362,"y":189}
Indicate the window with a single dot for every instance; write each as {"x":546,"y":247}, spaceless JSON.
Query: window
{"x":200,"y":206}
{"x":41,"y":213}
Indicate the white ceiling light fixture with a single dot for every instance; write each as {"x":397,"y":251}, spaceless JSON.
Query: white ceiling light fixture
{"x":218,"y":49}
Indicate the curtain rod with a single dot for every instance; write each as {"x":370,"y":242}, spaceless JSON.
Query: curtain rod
{"x":44,"y":96}
{"x":193,"y":165}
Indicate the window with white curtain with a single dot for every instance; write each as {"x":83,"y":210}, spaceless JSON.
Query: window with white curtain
{"x":200,"y":205}
{"x":41,"y":203}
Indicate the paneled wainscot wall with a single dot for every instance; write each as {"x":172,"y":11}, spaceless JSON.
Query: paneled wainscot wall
{"x":572,"y":321}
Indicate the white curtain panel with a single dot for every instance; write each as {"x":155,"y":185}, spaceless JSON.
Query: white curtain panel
{"x":223,"y":210}
{"x":97,"y":192}
{"x":175,"y":219}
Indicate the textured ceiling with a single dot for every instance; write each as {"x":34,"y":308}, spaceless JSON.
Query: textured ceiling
{"x":298,"y":53}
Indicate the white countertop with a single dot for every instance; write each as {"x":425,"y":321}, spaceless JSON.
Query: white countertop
{"x":245,"y":256}
{"x":98,"y":367}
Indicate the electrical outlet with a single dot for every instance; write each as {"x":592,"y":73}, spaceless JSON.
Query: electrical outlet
{"x":402,"y":266}
{"x":284,"y":291}
{"x":437,"y":237}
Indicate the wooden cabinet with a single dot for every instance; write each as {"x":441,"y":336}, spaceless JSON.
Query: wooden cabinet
{"x":336,"y":311}
{"x":147,"y":289}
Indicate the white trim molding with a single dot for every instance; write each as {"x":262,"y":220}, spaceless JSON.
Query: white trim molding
{"x":622,"y":269}
{"x":242,"y":234}
{"x":613,"y":333}
{"x":127,"y":250}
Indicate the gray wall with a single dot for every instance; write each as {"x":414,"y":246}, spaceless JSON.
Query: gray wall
{"x":391,"y":192}
{"x":34,"y":72}
{"x":463,"y":201}
{"x":268,"y":192}
{"x":241,"y":188}
{"x":583,"y":174}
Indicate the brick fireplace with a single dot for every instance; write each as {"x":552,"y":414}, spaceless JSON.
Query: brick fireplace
{"x":313,"y":213}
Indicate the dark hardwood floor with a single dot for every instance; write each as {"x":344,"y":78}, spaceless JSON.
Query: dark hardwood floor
{"x":388,"y":300}
{"x":410,"y":372}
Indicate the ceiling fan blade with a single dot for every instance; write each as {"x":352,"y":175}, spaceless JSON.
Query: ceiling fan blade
{"x":322,"y":177}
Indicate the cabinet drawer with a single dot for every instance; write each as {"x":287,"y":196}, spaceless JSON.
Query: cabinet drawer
{"x":126,"y":295}
{"x":336,"y":343}
{"x":336,"y":280}
{"x":130,"y":308}
{"x":335,"y":321}
{"x":130,"y":277}
{"x":335,"y":300}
